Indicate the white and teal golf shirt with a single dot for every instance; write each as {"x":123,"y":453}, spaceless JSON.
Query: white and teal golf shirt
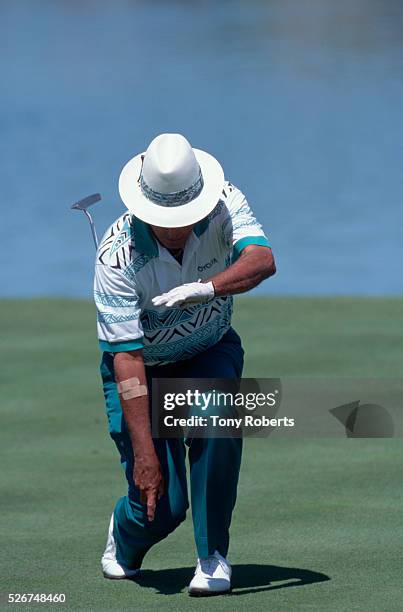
{"x":132,"y":267}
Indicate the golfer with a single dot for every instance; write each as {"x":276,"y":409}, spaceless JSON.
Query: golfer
{"x":165,"y":274}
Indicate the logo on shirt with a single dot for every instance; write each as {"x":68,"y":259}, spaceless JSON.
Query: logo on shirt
{"x":207,"y":265}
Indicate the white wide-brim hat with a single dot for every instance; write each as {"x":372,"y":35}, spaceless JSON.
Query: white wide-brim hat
{"x":171,"y":184}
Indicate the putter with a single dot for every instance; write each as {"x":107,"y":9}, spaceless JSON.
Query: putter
{"x":83,"y":205}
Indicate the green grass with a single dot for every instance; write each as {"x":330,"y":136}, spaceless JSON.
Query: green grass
{"x":318,"y":523}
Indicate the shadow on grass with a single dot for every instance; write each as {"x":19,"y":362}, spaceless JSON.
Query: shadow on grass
{"x":245,"y":578}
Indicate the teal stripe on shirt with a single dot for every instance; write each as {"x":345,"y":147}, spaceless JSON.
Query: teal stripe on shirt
{"x":120,"y":347}
{"x":243,"y":242}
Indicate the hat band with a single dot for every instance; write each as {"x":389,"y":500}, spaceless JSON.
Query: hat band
{"x":175,"y":198}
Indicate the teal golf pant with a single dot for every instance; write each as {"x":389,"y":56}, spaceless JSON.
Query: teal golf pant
{"x":214,"y":465}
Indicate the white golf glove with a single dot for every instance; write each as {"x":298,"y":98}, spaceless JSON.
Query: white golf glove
{"x":190,"y":293}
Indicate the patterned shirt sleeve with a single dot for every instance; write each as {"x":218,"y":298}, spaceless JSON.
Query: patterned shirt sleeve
{"x":118,"y":311}
{"x":240,"y":226}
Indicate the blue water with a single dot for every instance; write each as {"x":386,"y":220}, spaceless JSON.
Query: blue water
{"x":300,"y":100}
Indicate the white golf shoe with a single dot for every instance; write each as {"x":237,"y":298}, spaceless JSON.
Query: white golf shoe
{"x":212,"y":576}
{"x":110,"y":567}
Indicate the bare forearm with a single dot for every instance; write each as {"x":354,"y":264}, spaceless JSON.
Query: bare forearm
{"x":251,"y":268}
{"x":147,"y":473}
{"x":135,"y":410}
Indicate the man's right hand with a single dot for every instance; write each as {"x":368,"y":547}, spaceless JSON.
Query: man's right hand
{"x":148,"y":478}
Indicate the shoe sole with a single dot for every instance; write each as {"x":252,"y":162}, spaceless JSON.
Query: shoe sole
{"x":129,"y":577}
{"x":202,"y":593}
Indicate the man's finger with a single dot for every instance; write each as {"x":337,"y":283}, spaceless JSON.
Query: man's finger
{"x":164,"y":298}
{"x":160,"y":302}
{"x":158,"y":299}
{"x":143,"y":497}
{"x":174,"y":302}
{"x":151,"y":503}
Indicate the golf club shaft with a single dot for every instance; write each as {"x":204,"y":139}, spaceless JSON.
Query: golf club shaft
{"x":93,"y":230}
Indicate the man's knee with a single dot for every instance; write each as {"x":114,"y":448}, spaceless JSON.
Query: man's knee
{"x":166,"y":522}
{"x":168,"y":514}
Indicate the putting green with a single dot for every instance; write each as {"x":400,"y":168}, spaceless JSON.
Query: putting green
{"x":318,"y":522}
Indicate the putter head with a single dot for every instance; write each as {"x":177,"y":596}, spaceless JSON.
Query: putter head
{"x":87,"y":202}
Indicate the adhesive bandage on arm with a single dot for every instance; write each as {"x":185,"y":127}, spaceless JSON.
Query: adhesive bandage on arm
{"x":131,"y":388}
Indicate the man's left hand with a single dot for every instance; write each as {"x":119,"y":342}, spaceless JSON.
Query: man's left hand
{"x":190,"y":293}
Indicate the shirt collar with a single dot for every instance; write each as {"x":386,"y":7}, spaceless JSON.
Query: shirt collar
{"x":146,"y":243}
{"x":201,"y":227}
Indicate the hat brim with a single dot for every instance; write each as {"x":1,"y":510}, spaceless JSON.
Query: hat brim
{"x":172,"y":216}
